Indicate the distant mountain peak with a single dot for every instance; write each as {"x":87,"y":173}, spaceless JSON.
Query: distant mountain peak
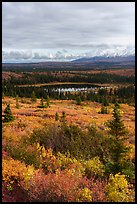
{"x":107,"y":58}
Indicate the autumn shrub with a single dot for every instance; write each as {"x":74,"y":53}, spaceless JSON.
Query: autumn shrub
{"x":97,"y":186}
{"x":64,"y":159}
{"x":98,"y":144}
{"x":13,"y":133}
{"x":25,"y":101}
{"x":61,"y":186}
{"x":23,"y":152}
{"x":7,"y":194}
{"x":94,"y":167}
{"x":80,"y":144}
{"x":41,"y":157}
{"x":84,"y":195}
{"x":48,"y":161}
{"x":77,"y":167}
{"x":51,"y":162}
{"x":60,"y":139}
{"x":14,"y":193}
{"x":44,"y":136}
{"x":103,"y":110}
{"x":66,"y":186}
{"x":4,"y":154}
{"x":119,"y":190}
{"x":14,"y":171}
{"x":21,"y":125}
{"x":15,"y":180}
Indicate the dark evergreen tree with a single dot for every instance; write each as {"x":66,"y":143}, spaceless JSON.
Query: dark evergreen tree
{"x":42,"y":105}
{"x":63,"y":117}
{"x":105,"y":102}
{"x":8,"y":114}
{"x":116,"y":125}
{"x":42,"y":102}
{"x":56,"y":116}
{"x":78,"y":100}
{"x":118,"y":137}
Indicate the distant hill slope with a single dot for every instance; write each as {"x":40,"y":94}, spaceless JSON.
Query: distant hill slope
{"x":98,"y":62}
{"x":130,"y":58}
{"x":103,"y":62}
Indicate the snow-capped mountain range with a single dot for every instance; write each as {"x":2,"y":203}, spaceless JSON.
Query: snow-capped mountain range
{"x":64,"y":54}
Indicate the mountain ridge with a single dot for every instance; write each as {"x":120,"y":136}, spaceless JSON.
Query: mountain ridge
{"x":104,"y":58}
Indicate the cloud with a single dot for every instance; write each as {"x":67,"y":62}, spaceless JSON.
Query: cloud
{"x":74,"y":26}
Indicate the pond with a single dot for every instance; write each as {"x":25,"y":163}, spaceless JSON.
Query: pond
{"x":71,"y":87}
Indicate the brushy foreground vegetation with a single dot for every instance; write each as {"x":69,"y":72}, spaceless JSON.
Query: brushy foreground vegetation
{"x":62,"y":162}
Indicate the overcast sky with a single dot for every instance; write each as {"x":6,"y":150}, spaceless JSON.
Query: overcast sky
{"x":66,"y":30}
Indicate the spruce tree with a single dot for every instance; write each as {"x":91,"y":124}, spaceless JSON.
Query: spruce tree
{"x":118,"y":137}
{"x":105,"y":103}
{"x":78,"y":100}
{"x":42,"y":105}
{"x":56,"y":116}
{"x":8,"y":114}
{"x":116,"y":125}
{"x":42,"y":102}
{"x":63,"y":117}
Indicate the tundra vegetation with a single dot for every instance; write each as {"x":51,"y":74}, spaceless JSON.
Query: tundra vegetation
{"x":68,"y":147}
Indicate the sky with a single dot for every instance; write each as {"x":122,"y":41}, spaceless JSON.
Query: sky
{"x":62,"y":31}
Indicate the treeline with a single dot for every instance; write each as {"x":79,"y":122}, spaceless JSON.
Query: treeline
{"x":65,"y":66}
{"x":35,"y":78}
{"x":101,"y":95}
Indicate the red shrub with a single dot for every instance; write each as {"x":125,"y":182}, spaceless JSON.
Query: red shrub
{"x":14,"y":194}
{"x":59,"y":187}
{"x":4,"y":154}
{"x":6,"y":194}
{"x":98,"y":190}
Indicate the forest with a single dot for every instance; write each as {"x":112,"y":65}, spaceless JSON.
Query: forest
{"x":68,"y":146}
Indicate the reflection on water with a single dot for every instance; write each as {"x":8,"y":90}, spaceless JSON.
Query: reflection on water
{"x":73,"y":89}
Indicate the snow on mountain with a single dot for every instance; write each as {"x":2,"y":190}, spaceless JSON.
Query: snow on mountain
{"x":67,"y":55}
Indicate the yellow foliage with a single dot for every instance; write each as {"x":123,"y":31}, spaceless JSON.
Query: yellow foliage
{"x":94,"y":165}
{"x":14,"y":170}
{"x":85,"y":195}
{"x":118,"y":189}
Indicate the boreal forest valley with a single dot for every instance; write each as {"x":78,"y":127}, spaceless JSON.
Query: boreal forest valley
{"x":68,"y":132}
